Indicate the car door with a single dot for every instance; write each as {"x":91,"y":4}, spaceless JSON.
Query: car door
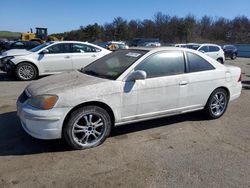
{"x":83,"y":55}
{"x":56,"y":59}
{"x":214,"y":52}
{"x":160,"y":92}
{"x":201,"y":79}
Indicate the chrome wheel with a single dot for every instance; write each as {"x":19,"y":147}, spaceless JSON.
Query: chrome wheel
{"x":26,"y":72}
{"x":88,"y":129}
{"x":218,"y":103}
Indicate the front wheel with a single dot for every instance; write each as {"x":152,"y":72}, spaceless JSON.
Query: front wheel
{"x":216,"y":104}
{"x":26,"y":71}
{"x":87,"y":127}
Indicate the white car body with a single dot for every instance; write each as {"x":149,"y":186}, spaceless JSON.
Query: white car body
{"x":53,"y":63}
{"x":213,"y":50}
{"x":128,"y":101}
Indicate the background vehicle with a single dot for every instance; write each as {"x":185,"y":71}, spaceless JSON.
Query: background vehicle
{"x":123,"y":87}
{"x":230,"y":51}
{"x":40,"y":36}
{"x":51,"y":58}
{"x":20,"y":45}
{"x":214,"y":51}
{"x":143,"y":41}
{"x":113,"y":45}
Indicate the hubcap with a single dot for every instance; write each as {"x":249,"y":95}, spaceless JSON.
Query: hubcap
{"x":88,"y":129}
{"x":218,"y":104}
{"x":26,"y":72}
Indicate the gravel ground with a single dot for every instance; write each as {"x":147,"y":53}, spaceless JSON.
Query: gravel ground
{"x":179,"y":151}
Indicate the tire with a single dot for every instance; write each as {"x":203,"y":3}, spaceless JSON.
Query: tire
{"x":220,"y":60}
{"x":26,"y":71}
{"x":234,"y":56}
{"x":217,"y":104}
{"x":87,"y":127}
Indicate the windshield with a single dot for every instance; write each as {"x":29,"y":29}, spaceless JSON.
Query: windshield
{"x":192,"y":46}
{"x":37,"y":48}
{"x":114,"y":64}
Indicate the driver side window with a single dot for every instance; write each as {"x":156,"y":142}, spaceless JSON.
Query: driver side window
{"x":163,"y":64}
{"x":59,"y":48}
{"x":204,"y":49}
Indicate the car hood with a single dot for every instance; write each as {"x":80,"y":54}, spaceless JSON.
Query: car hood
{"x":16,"y":52}
{"x":63,"y":83}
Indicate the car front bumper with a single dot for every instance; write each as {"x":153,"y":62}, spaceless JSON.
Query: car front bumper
{"x":42,"y":124}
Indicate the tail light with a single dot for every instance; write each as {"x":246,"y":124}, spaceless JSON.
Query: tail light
{"x":240,"y":78}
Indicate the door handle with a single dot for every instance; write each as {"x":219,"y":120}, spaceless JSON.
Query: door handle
{"x":183,"y":83}
{"x":67,"y":57}
{"x":93,"y":56}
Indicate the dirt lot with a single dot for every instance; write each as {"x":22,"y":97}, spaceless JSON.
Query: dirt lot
{"x":180,"y":151}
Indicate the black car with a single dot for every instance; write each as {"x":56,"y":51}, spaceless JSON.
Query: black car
{"x":19,"y":45}
{"x":230,"y":51}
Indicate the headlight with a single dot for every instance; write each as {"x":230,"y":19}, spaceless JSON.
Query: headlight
{"x":6,"y":59}
{"x":43,"y":102}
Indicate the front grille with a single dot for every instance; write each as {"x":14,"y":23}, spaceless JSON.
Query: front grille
{"x":23,"y":97}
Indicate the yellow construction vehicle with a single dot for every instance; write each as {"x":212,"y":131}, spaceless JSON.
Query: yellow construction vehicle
{"x":41,"y":35}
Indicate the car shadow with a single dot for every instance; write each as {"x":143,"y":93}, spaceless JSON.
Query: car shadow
{"x":6,"y":77}
{"x":12,"y":78}
{"x":15,"y":141}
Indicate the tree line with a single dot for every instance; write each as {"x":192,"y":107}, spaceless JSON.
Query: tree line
{"x":168,"y":29}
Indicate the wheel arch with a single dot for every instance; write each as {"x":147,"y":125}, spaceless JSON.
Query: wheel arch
{"x":29,"y":63}
{"x":91,"y":103}
{"x":221,"y":59}
{"x":221,"y":87}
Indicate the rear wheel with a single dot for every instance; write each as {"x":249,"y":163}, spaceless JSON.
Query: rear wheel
{"x":216,"y":104}
{"x":234,"y":56}
{"x":220,"y":60}
{"x":87,"y":127}
{"x":26,"y":71}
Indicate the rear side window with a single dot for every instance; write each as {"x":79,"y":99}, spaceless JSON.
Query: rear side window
{"x":83,"y":48}
{"x":163,"y":64}
{"x":214,"y":48}
{"x":197,"y":63}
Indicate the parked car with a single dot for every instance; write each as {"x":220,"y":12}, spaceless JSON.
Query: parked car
{"x":126,"y":86}
{"x":214,"y":51}
{"x":230,"y":51}
{"x":143,"y":41}
{"x":50,"y":58}
{"x":19,"y":45}
{"x":152,"y":44}
{"x":113,"y":45}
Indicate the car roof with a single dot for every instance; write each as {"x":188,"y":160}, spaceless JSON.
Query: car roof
{"x":69,"y":41}
{"x":209,"y":44}
{"x":157,"y":49}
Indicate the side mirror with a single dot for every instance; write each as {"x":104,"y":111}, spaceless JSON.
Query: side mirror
{"x":202,"y":51}
{"x":137,"y":75}
{"x":45,"y":51}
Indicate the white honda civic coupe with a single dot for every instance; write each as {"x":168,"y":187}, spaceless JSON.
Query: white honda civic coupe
{"x":50,"y":58}
{"x":126,"y":86}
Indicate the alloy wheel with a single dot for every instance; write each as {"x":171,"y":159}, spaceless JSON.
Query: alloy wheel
{"x":88,"y":129}
{"x":218,"y":104}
